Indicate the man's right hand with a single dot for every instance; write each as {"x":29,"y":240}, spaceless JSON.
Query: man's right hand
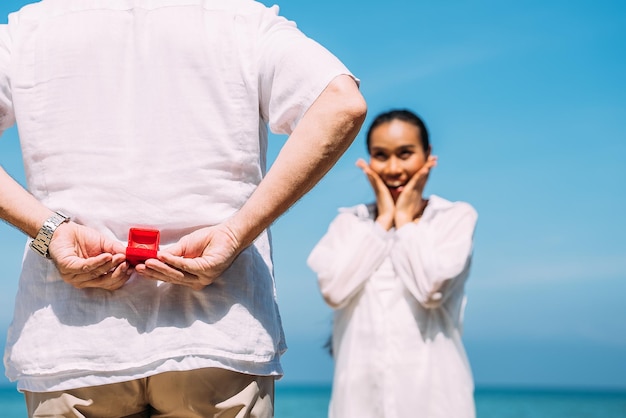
{"x":87,"y":259}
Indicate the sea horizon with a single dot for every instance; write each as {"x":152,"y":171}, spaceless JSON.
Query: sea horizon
{"x":310,"y":400}
{"x":479,"y":387}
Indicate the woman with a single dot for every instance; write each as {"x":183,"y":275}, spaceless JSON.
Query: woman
{"x":394,"y":272}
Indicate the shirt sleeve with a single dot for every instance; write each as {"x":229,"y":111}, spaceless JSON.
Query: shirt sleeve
{"x":431,"y":255}
{"x":7,"y":116}
{"x":293,"y":71}
{"x":347,"y":256}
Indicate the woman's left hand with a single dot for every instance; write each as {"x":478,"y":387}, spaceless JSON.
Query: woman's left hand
{"x":410,"y":202}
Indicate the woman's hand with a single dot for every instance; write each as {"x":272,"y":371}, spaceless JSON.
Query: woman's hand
{"x":195,"y":261}
{"x":384,"y":200}
{"x":86,"y":258}
{"x":410,"y":203}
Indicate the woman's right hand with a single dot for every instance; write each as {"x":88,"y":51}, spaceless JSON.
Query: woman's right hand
{"x":384,"y":200}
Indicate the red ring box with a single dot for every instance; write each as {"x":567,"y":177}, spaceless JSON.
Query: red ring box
{"x":142,"y":245}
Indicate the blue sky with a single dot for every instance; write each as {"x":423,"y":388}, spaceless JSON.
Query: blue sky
{"x":526,"y":103}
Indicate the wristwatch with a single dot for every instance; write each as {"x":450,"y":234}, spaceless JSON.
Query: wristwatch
{"x":41,"y":243}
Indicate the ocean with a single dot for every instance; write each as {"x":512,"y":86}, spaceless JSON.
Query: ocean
{"x":302,"y":401}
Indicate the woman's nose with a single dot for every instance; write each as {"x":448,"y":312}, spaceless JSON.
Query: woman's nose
{"x":394,"y":166}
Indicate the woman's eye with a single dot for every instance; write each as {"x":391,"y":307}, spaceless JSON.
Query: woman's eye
{"x":379,"y":156}
{"x":405,"y":154}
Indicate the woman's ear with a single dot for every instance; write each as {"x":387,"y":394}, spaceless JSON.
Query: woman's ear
{"x":430,"y":149}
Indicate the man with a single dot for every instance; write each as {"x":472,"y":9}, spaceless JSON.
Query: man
{"x":153,"y":113}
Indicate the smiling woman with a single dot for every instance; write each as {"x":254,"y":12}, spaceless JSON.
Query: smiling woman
{"x":399,"y":147}
{"x":395,"y":272}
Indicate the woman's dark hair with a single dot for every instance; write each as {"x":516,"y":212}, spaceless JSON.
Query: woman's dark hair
{"x":403,"y":115}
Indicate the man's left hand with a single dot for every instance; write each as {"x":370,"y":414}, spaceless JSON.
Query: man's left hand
{"x":196,"y":260}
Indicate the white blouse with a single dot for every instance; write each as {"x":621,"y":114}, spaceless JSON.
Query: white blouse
{"x":399,"y":299}
{"x":162,"y":122}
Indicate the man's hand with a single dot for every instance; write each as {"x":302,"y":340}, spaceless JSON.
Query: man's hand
{"x":86,"y":258}
{"x":195,"y":261}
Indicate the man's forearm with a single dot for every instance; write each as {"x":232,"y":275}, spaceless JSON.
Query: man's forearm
{"x":20,"y":208}
{"x":320,"y":138}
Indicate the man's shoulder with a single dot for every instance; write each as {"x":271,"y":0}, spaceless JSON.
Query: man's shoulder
{"x":52,"y":7}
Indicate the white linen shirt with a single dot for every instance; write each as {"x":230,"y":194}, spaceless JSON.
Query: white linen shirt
{"x":399,"y":299}
{"x":150,"y":113}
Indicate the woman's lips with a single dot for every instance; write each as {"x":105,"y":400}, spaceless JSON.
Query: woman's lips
{"x":395,"y":191}
{"x":398,"y":188}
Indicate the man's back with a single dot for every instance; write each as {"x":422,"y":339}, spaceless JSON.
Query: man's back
{"x":162,"y":112}
{"x":151,"y":113}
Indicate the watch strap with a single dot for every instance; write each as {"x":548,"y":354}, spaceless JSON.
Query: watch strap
{"x":41,"y":243}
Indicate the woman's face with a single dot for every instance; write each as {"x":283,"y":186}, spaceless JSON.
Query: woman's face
{"x":396,"y":154}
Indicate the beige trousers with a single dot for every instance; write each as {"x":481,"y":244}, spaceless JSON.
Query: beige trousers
{"x":202,"y":393}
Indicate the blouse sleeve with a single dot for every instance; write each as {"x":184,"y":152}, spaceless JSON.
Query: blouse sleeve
{"x":346,"y":257}
{"x":430,"y":255}
{"x":293,"y":71}
{"x":7,"y":116}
